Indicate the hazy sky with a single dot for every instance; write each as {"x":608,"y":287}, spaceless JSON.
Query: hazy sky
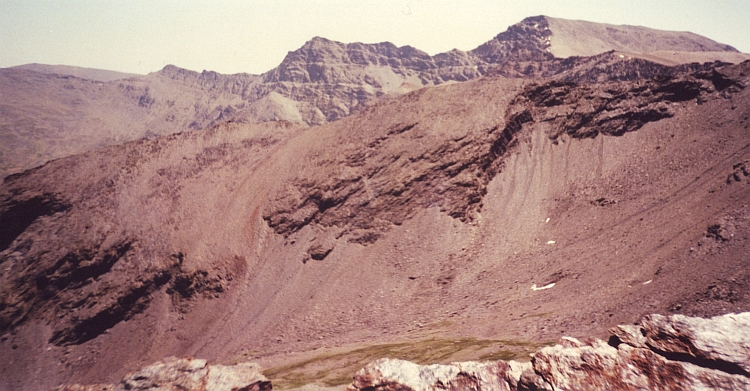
{"x":254,"y":36}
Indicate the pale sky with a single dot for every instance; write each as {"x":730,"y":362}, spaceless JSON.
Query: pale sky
{"x":252,"y":36}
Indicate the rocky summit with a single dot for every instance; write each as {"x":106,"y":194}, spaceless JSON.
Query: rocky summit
{"x":365,"y":201}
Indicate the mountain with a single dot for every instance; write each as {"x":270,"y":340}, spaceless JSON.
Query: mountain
{"x":498,"y":210}
{"x":56,"y":111}
{"x":79,"y":72}
{"x":46,"y":116}
{"x":581,"y":38}
{"x":366,"y":200}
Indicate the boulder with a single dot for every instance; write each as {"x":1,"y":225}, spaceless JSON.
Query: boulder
{"x":399,"y":375}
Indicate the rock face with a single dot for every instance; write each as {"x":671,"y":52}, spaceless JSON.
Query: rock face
{"x":454,"y":173}
{"x":660,"y":353}
{"x":186,"y":375}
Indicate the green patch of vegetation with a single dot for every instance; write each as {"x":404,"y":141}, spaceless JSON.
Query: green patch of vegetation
{"x":334,"y":369}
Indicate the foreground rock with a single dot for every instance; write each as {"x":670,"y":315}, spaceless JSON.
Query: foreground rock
{"x":187,"y":375}
{"x":660,"y":353}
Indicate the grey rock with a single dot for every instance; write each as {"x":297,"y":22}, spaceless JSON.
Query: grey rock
{"x":186,"y":374}
{"x":723,"y":338}
{"x":599,"y":366}
{"x":392,"y":374}
{"x":660,"y":353}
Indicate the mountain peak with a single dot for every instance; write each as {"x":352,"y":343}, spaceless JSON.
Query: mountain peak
{"x":172,"y":70}
{"x":581,"y":38}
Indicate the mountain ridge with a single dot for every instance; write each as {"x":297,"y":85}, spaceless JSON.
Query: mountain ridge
{"x":321,"y":82}
{"x":94,"y":74}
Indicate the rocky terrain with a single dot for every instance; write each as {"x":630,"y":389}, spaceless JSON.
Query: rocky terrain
{"x":440,"y":213}
{"x":659,"y":353}
{"x":55,"y":111}
{"x":188,"y":375}
{"x":456,"y":222}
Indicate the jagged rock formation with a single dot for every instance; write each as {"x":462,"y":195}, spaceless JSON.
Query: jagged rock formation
{"x":659,"y":353}
{"x":321,"y":82}
{"x":186,"y":375}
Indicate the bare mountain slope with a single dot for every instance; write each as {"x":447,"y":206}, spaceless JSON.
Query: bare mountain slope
{"x":61,"y":111}
{"x":47,"y":116}
{"x":79,"y":72}
{"x":581,"y":38}
{"x":436,"y":214}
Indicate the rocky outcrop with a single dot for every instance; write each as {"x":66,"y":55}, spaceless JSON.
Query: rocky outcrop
{"x":455,"y":172}
{"x":186,"y":374}
{"x":740,"y":173}
{"x":586,"y":110}
{"x":607,"y":66}
{"x":659,"y":353}
{"x":721,"y":342}
{"x":389,"y":374}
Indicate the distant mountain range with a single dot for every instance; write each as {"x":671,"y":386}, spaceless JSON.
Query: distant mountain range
{"x":54,"y":111}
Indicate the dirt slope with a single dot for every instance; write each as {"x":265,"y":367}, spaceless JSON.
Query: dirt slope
{"x":430,"y":215}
